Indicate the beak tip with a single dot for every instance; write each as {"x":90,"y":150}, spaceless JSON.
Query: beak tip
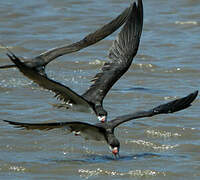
{"x":102,"y":120}
{"x":115,"y":151}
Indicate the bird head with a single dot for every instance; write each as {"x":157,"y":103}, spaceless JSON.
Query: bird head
{"x":102,"y":118}
{"x":101,"y":114}
{"x":114,"y":146}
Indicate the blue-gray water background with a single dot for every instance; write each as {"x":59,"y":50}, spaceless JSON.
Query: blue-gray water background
{"x":166,"y":67}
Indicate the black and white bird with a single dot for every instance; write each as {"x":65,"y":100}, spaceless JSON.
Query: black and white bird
{"x":105,"y":131}
{"x":121,"y":54}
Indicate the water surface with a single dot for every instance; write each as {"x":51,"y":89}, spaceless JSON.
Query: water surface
{"x":166,"y":67}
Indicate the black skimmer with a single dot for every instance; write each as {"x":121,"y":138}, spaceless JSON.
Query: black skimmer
{"x":105,"y":131}
{"x":122,"y":52}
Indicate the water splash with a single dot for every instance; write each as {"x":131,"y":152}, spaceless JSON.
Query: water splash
{"x":87,"y":173}
{"x":186,"y":22}
{"x":164,"y":134}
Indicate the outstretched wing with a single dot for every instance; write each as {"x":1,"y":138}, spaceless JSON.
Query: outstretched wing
{"x":88,"y":131}
{"x":61,"y":92}
{"x":170,"y":107}
{"x":122,"y":52}
{"x":43,"y":59}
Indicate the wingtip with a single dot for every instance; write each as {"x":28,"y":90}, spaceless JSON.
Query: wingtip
{"x":191,"y":97}
{"x":7,"y":66}
{"x":185,"y":102}
{"x":195,"y":93}
{"x":9,"y":56}
{"x":176,"y":105}
{"x":15,"y":124}
{"x":10,"y":122}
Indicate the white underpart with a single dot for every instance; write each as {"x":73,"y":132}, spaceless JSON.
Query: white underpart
{"x":77,"y":133}
{"x":113,"y":149}
{"x":102,"y":118}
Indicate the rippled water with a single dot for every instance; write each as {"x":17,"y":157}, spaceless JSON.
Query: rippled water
{"x":166,"y":67}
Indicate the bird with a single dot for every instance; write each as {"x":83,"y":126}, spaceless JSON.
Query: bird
{"x":121,"y":54}
{"x":105,"y":131}
{"x":39,"y":62}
